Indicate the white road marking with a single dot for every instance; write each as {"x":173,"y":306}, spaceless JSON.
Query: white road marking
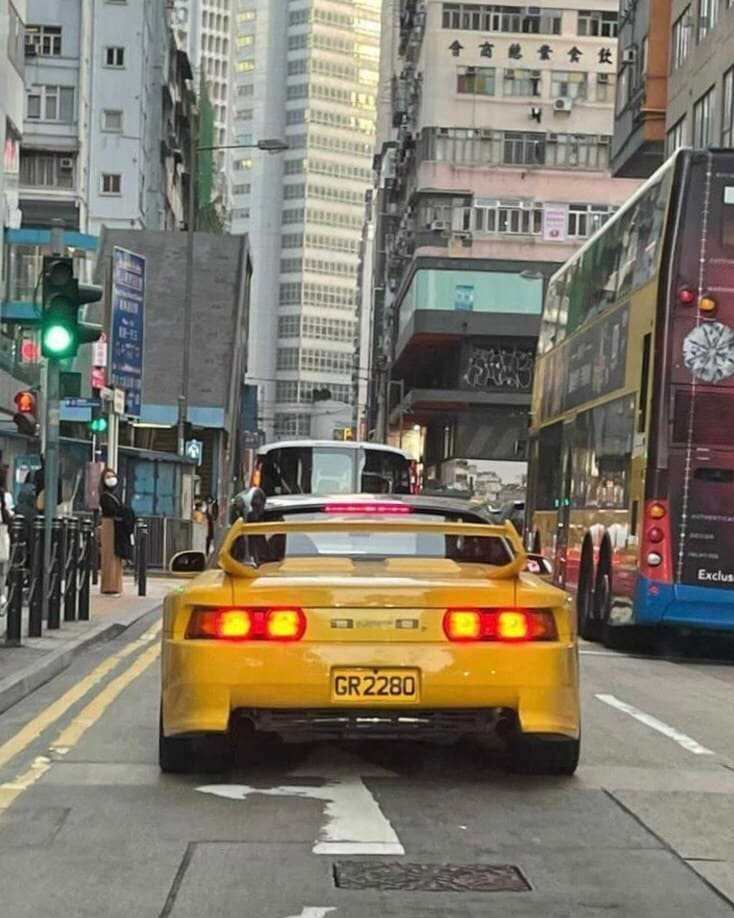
{"x":682,"y":739}
{"x":315,"y":911}
{"x":355,"y":824}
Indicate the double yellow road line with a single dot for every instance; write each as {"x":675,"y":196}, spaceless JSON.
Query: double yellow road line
{"x":89,"y":715}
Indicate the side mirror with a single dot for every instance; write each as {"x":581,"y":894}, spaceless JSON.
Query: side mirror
{"x":188,"y":563}
{"x":539,"y":565}
{"x":247,"y":505}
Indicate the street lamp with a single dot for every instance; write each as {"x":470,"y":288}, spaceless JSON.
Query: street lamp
{"x":267,"y":145}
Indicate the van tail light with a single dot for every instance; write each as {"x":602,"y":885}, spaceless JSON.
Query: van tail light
{"x":246,"y":624}
{"x":656,"y":549}
{"x":509,"y":626}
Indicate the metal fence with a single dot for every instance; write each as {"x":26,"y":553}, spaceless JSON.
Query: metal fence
{"x":167,"y":536}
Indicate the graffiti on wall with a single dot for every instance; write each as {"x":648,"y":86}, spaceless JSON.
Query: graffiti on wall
{"x":498,"y":367}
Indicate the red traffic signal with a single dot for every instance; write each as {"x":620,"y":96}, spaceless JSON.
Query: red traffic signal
{"x":25,"y":402}
{"x":25,"y":416}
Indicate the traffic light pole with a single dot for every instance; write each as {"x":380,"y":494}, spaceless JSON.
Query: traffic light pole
{"x":51,"y":469}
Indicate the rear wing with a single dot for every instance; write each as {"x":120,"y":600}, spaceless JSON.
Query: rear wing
{"x":506,"y":533}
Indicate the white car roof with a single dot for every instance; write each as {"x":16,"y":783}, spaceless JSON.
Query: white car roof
{"x":333,"y":444}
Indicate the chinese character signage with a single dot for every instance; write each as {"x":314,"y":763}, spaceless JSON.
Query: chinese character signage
{"x":555,"y":220}
{"x":128,"y":299}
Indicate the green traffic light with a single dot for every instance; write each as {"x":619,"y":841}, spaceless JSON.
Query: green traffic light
{"x":57,"y":340}
{"x":98,"y":425}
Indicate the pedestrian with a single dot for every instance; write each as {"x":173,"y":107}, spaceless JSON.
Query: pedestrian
{"x":118,"y":525}
{"x":6,"y":515}
{"x":199,"y":521}
{"x":212,"y":513}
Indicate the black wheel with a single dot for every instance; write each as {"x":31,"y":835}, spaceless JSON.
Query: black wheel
{"x":590,"y":628}
{"x":205,"y":754}
{"x":537,"y":754}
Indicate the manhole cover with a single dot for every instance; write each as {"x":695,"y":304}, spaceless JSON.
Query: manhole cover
{"x":430,"y":877}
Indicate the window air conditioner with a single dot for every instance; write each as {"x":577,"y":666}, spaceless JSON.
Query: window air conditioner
{"x":66,"y":164}
{"x":564,"y":104}
{"x":629,"y":56}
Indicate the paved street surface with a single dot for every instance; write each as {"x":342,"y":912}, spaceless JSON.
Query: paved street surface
{"x":88,"y":826}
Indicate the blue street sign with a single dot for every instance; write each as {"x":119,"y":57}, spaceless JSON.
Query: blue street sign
{"x":82,"y":402}
{"x":194,"y":450}
{"x":126,"y":346}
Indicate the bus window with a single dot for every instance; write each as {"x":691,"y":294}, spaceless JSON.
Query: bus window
{"x":644,"y":384}
{"x":549,"y":467}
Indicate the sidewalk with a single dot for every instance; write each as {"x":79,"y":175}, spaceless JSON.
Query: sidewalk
{"x":23,"y":669}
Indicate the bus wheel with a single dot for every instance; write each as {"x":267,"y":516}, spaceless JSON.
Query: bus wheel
{"x":589,"y":628}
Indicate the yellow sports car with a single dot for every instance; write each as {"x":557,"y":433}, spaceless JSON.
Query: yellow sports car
{"x":354,"y":617}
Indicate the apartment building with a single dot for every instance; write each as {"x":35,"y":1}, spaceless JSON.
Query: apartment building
{"x":12,"y":63}
{"x":496,"y":170}
{"x":307,"y":72}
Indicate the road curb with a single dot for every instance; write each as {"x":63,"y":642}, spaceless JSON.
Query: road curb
{"x":21,"y":684}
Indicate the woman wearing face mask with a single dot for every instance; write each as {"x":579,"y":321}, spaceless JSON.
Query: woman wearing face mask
{"x":118,"y":522}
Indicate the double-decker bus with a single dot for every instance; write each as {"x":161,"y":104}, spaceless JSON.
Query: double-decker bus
{"x":631,"y":475}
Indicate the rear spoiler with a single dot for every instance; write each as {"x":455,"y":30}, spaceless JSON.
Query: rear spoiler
{"x":506,"y":532}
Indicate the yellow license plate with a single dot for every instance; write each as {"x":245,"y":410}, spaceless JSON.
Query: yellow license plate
{"x":374,"y":686}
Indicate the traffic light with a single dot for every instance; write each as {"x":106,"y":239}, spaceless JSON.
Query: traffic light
{"x":98,"y":424}
{"x":63,"y":295}
{"x":25,"y":415}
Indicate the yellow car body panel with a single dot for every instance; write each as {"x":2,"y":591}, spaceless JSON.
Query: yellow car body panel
{"x":363,"y":615}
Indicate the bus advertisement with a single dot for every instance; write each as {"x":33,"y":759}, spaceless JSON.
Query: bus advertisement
{"x":631,"y":467}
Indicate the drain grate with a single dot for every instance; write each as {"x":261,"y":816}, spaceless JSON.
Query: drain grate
{"x":429,"y":877}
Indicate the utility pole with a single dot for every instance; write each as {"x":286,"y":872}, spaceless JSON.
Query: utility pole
{"x":51,"y":439}
{"x":183,"y":398}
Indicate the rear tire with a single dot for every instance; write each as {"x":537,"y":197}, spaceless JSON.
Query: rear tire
{"x":537,"y":754}
{"x":205,"y":754}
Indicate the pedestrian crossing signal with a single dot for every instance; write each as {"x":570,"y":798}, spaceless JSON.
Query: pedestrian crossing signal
{"x":98,"y":425}
{"x":25,"y":415}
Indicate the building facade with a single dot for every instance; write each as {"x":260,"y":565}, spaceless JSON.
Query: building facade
{"x":638,"y":147}
{"x":305,"y":71}
{"x":12,"y":100}
{"x":496,"y":170}
{"x":92,"y":152}
{"x":204,"y":29}
{"x":700,"y":109}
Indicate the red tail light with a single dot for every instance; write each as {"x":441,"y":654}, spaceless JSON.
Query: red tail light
{"x":655,"y":551}
{"x":686,"y":296}
{"x":247,"y":624}
{"x":368,"y":507}
{"x":505,"y":625}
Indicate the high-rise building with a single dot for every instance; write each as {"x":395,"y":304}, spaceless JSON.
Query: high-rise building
{"x":643,"y":75}
{"x":12,"y":100}
{"x":306,"y":71}
{"x":94,"y":151}
{"x":493,"y":169}
{"x":204,"y":27}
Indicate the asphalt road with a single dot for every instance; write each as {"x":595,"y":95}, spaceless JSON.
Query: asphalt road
{"x":88,"y":826}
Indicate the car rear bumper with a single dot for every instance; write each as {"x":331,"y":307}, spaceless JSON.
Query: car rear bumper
{"x":205,"y":682}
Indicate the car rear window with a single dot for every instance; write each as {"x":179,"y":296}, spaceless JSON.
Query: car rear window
{"x":376,"y":546}
{"x":331,"y":470}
